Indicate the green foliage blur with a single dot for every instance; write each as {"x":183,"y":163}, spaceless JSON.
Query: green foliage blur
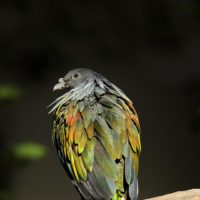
{"x":28,"y":151}
{"x":9,"y":92}
{"x":13,"y":155}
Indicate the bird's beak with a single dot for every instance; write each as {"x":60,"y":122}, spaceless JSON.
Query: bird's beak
{"x":61,"y":84}
{"x":58,"y":86}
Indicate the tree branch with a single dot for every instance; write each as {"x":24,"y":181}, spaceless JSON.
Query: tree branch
{"x":193,"y":194}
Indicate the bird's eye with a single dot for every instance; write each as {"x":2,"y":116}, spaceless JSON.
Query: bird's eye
{"x":76,"y":75}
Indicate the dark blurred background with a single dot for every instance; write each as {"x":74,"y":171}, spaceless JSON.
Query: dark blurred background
{"x":150,"y":49}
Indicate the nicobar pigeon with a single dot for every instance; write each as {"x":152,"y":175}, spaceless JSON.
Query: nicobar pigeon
{"x":96,"y":133}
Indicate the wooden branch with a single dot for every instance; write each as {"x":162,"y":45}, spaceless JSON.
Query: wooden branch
{"x":193,"y":194}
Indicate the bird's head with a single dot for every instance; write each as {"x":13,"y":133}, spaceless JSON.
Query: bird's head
{"x":78,"y":84}
{"x":74,"y":78}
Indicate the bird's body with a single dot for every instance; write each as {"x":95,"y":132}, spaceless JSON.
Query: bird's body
{"x":97,"y":136}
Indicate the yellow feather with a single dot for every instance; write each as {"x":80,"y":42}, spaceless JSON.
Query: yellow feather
{"x":71,"y":133}
{"x":82,"y":142}
{"x":90,"y":130}
{"x":74,"y":167}
{"x":78,"y":131}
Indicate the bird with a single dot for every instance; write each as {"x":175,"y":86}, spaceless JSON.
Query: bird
{"x":96,"y":133}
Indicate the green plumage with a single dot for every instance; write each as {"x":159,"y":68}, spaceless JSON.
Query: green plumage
{"x":98,"y":141}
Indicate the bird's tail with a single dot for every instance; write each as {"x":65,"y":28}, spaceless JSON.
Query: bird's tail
{"x":124,"y":197}
{"x":130,"y":194}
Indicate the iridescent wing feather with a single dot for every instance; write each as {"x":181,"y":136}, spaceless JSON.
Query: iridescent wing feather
{"x":98,"y":142}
